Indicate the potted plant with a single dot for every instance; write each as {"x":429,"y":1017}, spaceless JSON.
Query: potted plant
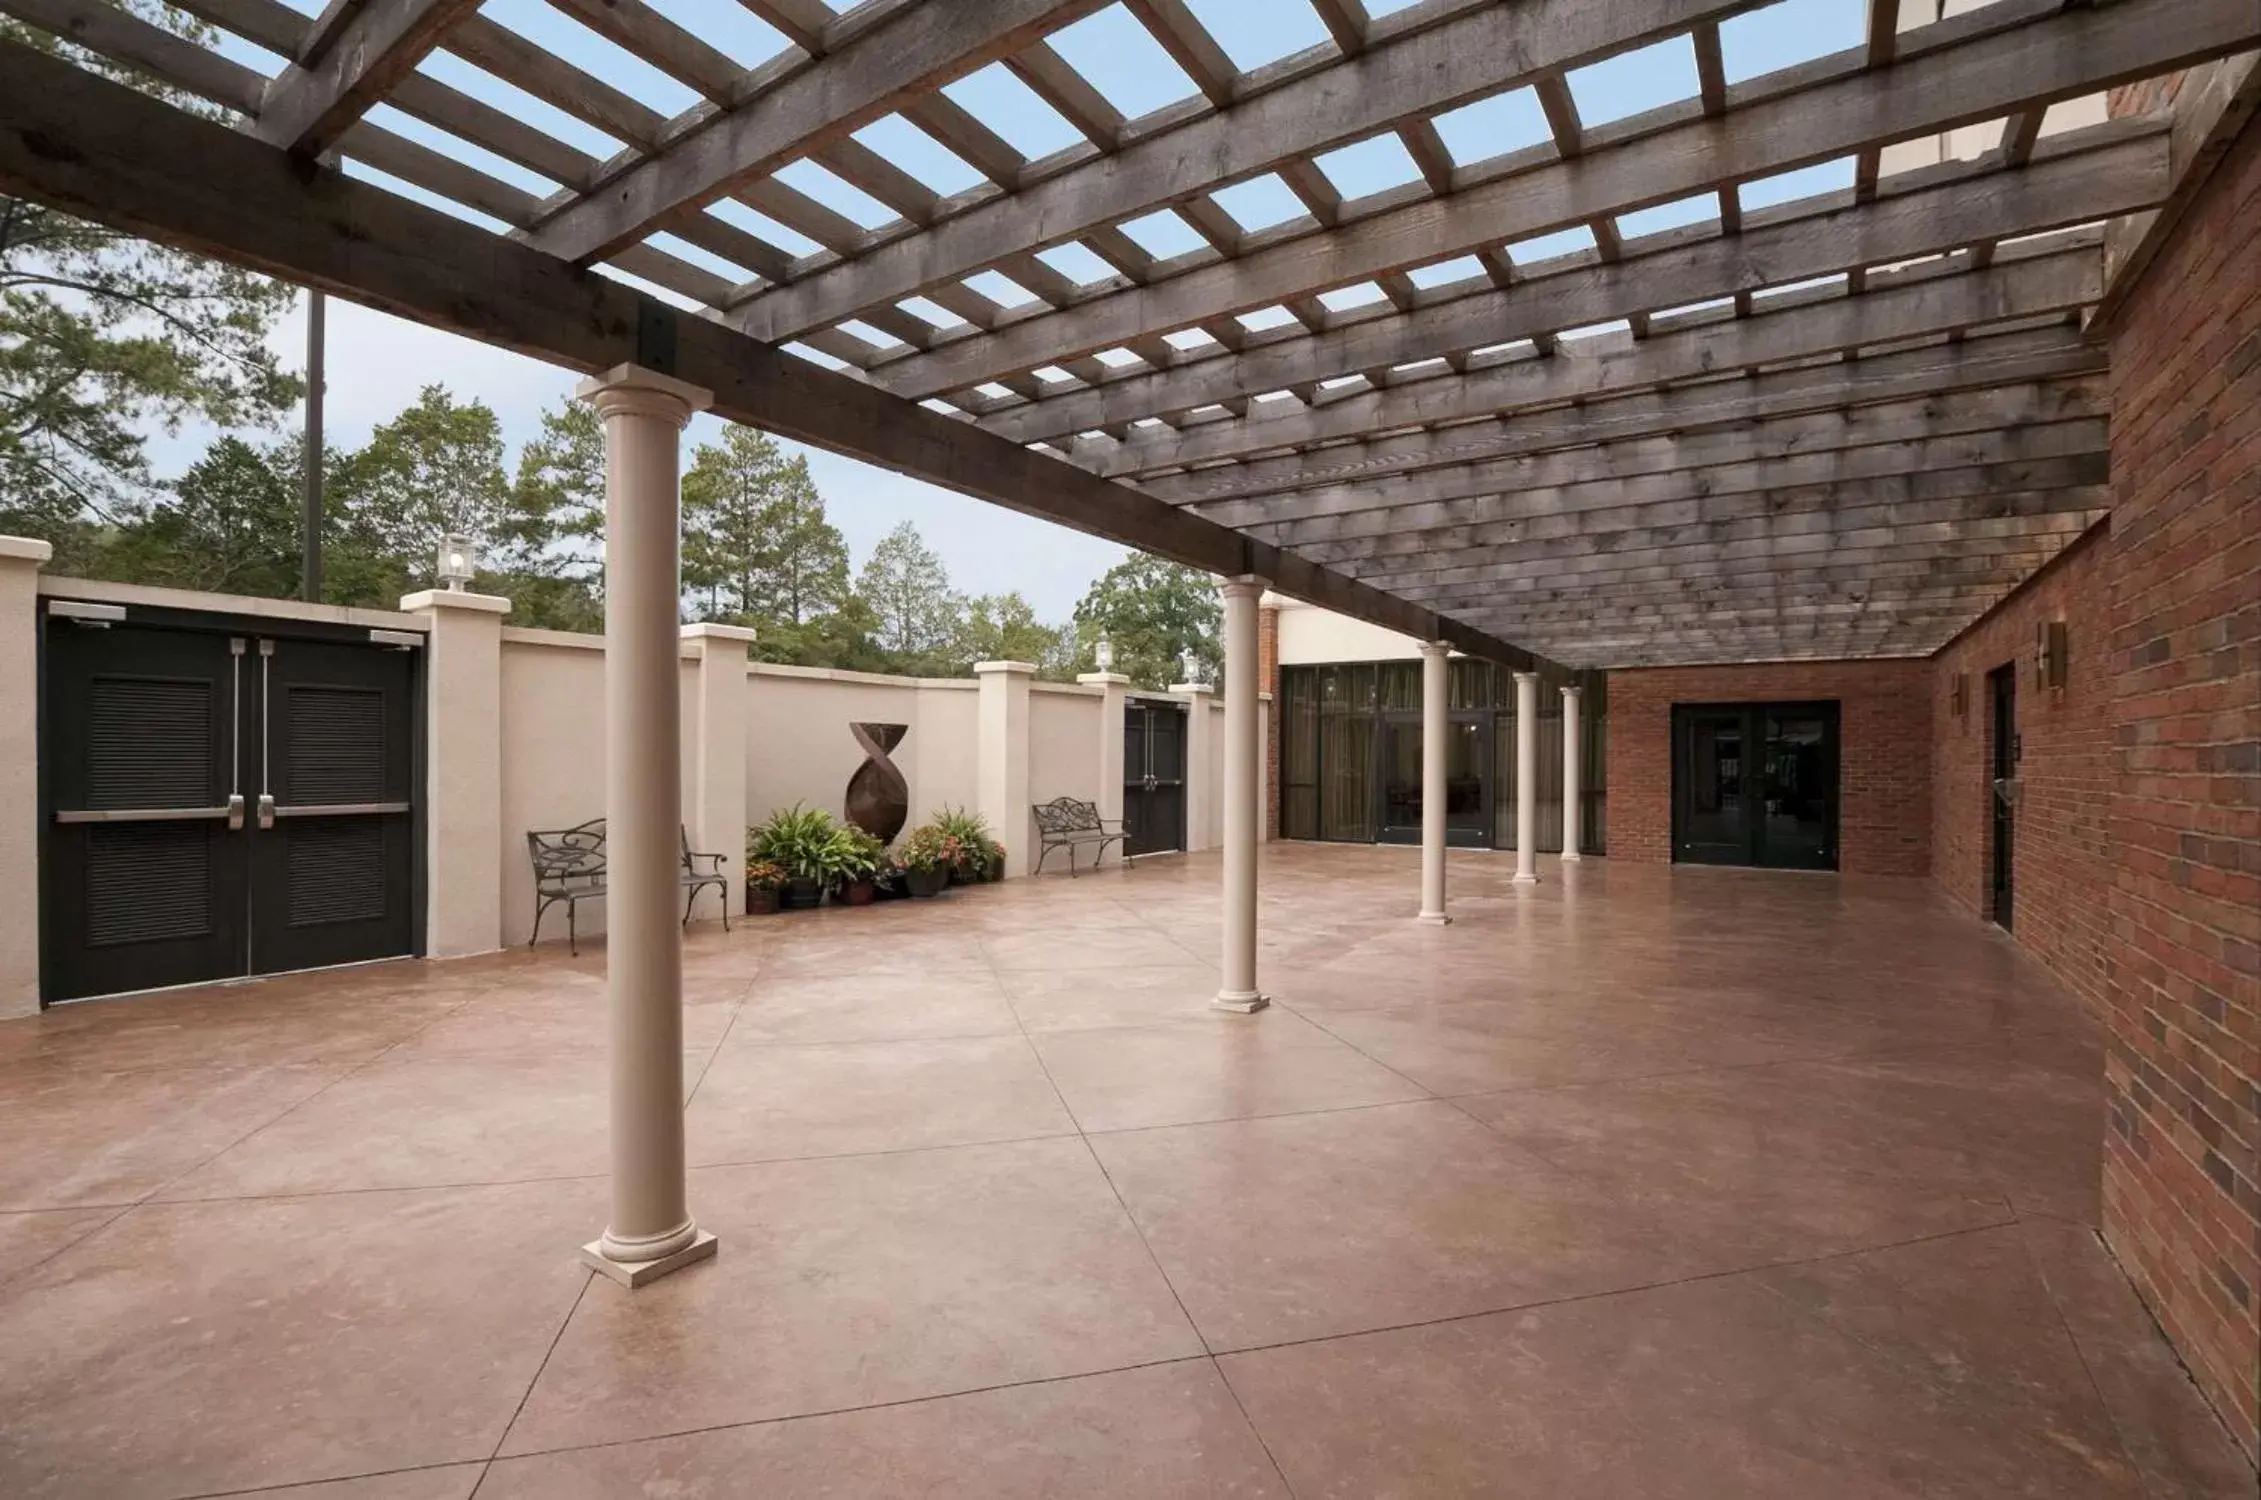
{"x":853,"y":859}
{"x":929,"y":856}
{"x":799,"y":840}
{"x":765,"y":878}
{"x":975,"y":847}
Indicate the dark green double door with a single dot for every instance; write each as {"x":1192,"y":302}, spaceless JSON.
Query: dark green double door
{"x":1755,"y":784}
{"x":217,"y":802}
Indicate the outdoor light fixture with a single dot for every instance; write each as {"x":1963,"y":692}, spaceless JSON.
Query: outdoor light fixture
{"x":1104,"y":654}
{"x":459,"y":562}
{"x":1190,"y":665}
{"x":2049,"y":643}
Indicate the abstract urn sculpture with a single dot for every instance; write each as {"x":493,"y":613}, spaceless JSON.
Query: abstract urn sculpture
{"x":879,"y":799}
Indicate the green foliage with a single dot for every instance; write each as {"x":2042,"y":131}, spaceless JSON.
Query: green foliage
{"x":803,"y":841}
{"x":906,"y":585}
{"x":1003,"y":627}
{"x":433,"y":471}
{"x":557,"y":512}
{"x":929,"y":848}
{"x":978,"y":849}
{"x":105,"y":338}
{"x":1153,"y":611}
{"x":756,"y":542}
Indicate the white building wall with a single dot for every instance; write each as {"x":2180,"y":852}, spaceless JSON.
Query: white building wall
{"x":1311,"y":636}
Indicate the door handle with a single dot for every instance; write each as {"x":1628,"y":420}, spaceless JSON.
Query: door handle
{"x":144,"y":814}
{"x":266,"y":810}
{"x":270,"y":811}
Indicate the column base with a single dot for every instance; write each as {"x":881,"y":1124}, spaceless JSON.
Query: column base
{"x":1523,"y":879}
{"x":1571,"y":856}
{"x":635,"y":1273}
{"x":1245,"y":1002}
{"x":1433,"y":919}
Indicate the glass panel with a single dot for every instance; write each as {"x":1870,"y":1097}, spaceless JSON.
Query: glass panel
{"x":1470,"y":684}
{"x":1797,"y":789}
{"x":1346,"y":689}
{"x":1401,"y":685}
{"x":1346,"y":769}
{"x":1401,"y":776}
{"x":1503,"y":781}
{"x":1299,"y":754}
{"x":1715,"y":780}
{"x":1464,"y":776}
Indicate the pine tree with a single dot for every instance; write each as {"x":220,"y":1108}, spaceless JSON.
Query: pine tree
{"x":907,"y":587}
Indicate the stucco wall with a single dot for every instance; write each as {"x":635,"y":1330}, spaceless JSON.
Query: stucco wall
{"x":553,"y":759}
{"x":1310,"y":635}
{"x":1063,"y":742}
{"x":944,"y":750}
{"x":798,"y":745}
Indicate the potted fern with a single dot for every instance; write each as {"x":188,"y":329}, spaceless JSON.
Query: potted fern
{"x":854,"y":858}
{"x":801,"y":841}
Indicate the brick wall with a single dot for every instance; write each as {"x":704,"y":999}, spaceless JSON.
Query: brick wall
{"x":1268,"y":662}
{"x":2182,"y":1188}
{"x":2061,"y":844}
{"x":1884,"y":761}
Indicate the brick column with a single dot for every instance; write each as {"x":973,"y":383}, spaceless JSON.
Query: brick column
{"x":1001,"y":759}
{"x":463,"y":771}
{"x":714,"y":814}
{"x":20,"y":560}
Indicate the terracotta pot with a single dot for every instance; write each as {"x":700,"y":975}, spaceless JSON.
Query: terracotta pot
{"x":925,"y":882}
{"x":859,"y":893}
{"x":760,"y":903}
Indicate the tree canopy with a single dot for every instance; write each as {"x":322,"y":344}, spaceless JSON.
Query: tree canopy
{"x":1153,"y":611}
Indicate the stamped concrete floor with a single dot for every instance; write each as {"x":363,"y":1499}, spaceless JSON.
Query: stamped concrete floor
{"x":1637,"y":1183}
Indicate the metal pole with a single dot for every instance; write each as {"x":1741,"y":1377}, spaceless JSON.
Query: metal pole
{"x":310,"y":517}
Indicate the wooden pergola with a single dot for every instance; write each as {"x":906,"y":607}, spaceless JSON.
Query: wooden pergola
{"x":1836,"y":426}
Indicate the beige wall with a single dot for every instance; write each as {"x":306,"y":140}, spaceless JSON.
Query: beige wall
{"x":19,"y":773}
{"x":1063,"y":742}
{"x":798,"y":748}
{"x":553,"y":756}
{"x":947,"y":747}
{"x":1310,"y":635}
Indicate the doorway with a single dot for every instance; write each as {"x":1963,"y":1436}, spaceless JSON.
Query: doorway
{"x":219,"y":800}
{"x":1153,"y":776}
{"x":1755,"y":784}
{"x":1468,"y":808}
{"x":2002,"y":696}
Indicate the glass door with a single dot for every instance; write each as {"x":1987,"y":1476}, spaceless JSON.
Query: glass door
{"x":1755,"y":784}
{"x":1710,"y":806}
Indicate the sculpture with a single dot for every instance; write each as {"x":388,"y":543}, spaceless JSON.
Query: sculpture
{"x":879,"y":799}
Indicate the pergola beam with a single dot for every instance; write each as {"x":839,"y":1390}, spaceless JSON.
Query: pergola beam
{"x":909,"y":53}
{"x":1930,"y":304}
{"x":2086,"y":177}
{"x":98,"y":149}
{"x":1490,"y":48}
{"x":2002,"y":359}
{"x":1991,"y":61}
{"x":320,"y":97}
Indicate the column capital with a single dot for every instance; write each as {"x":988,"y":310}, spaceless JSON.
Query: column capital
{"x":1246,"y":586}
{"x":1102,"y":679}
{"x":426,"y":601}
{"x":641,"y":392}
{"x":1531,"y":677}
{"x":25,"y":549}
{"x":1572,"y":693}
{"x":1436,"y":648}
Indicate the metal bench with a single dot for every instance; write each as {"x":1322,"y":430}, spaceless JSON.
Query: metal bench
{"x":569,"y":866}
{"x":1071,"y":824}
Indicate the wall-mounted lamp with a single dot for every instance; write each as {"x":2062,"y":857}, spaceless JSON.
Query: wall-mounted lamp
{"x":1103,"y":654}
{"x":1959,"y":694}
{"x":459,"y":562}
{"x":2049,"y":652}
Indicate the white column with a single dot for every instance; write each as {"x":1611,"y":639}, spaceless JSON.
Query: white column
{"x":1243,"y":750}
{"x":1200,"y":765}
{"x":1573,"y":794}
{"x":1114,"y":689}
{"x":1001,"y":759}
{"x":1435,"y":729}
{"x":716,"y":817}
{"x":1526,"y":777}
{"x":463,"y":832}
{"x":651,"y":1231}
{"x":20,"y":560}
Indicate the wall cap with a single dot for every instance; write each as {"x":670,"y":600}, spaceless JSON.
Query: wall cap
{"x":1102,"y":679}
{"x":102,"y":591}
{"x":25,"y":549}
{"x":446,"y":599}
{"x":708,"y":631}
{"x":1193,"y":687}
{"x":1008,"y":668}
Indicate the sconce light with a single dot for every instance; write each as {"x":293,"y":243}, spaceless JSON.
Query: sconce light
{"x":459,"y":562}
{"x":1104,"y":654}
{"x":1190,"y":665}
{"x":2049,"y":643}
{"x":1960,"y":694}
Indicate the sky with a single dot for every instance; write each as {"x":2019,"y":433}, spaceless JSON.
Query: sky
{"x":378,"y":363}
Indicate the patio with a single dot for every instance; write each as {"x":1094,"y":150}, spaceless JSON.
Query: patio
{"x":1577,"y":1196}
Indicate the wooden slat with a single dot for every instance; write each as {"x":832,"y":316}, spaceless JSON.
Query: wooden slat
{"x":918,"y":49}
{"x":125,"y":38}
{"x":643,"y":32}
{"x":1960,"y":77}
{"x":316,"y":101}
{"x":1190,"y":46}
{"x":1472,"y":54}
{"x":146,"y":168}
